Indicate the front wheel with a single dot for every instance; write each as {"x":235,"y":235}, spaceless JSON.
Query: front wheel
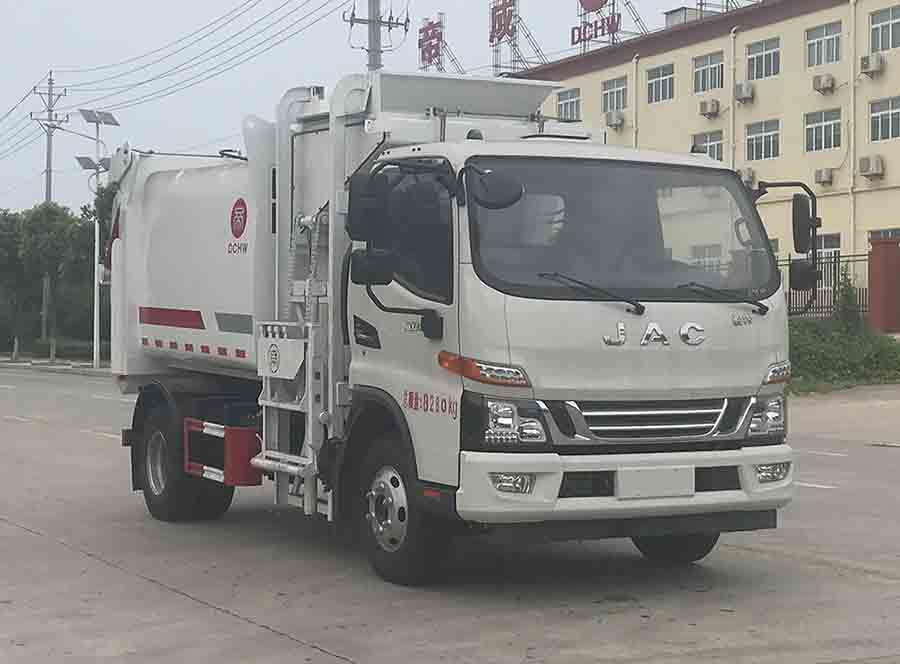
{"x":403,"y":545}
{"x":677,"y":549}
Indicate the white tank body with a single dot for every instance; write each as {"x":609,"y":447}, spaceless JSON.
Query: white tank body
{"x":192,"y":268}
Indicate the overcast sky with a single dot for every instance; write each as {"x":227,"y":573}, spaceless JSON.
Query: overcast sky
{"x":62,"y":34}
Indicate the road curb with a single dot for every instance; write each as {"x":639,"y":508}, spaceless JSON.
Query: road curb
{"x":59,"y":368}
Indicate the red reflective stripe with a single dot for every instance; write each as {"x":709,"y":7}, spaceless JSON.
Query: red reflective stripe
{"x":158,"y":343}
{"x":145,"y":341}
{"x":431,"y":493}
{"x":189,"y":348}
{"x":223,"y":351}
{"x":241,"y":354}
{"x":173,"y":345}
{"x":183,"y":318}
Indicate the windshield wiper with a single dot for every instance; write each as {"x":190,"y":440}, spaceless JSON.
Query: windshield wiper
{"x":761,"y":309}
{"x":636,"y":307}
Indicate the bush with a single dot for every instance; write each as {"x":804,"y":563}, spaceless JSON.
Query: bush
{"x":840,"y":353}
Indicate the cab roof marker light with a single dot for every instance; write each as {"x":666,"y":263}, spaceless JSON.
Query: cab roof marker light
{"x":778,"y":374}
{"x":483,"y":372}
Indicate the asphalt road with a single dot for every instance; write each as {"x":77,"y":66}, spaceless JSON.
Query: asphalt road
{"x":86,"y":575}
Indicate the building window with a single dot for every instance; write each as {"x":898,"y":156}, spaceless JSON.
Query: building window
{"x":710,"y":143}
{"x":823,"y":45}
{"x":823,"y":130}
{"x":568,"y":105}
{"x":763,"y":139}
{"x":707,"y":256}
{"x":829,"y":244}
{"x":615,"y":94}
{"x":886,"y":29}
{"x":709,"y":72}
{"x":764,"y":59}
{"x":885,"y":119}
{"x":660,"y":83}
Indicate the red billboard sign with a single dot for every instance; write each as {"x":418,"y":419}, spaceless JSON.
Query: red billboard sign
{"x":431,"y":43}
{"x":503,"y":21}
{"x":604,"y":26}
{"x":593,"y":5}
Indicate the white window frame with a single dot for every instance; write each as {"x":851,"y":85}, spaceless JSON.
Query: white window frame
{"x":712,"y":143}
{"x":823,"y":44}
{"x":884,"y":124}
{"x":828,"y":239}
{"x":660,"y":83}
{"x":885,"y":29}
{"x":709,"y":72}
{"x":823,"y":130}
{"x":568,"y":105}
{"x":764,"y":59}
{"x":765,"y":140}
{"x":615,"y":94}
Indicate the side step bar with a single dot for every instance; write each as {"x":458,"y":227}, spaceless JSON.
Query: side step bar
{"x":278,"y":462}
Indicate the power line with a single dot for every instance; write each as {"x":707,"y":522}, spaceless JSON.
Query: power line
{"x":214,"y":141}
{"x":193,"y":63}
{"x":22,"y":144}
{"x":251,"y":3}
{"x":16,"y":129}
{"x":21,"y":101}
{"x":200,"y":78}
{"x":85,"y":70}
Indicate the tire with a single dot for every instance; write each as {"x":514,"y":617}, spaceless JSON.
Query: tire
{"x":411,"y":546}
{"x":677,"y":549}
{"x":170,"y":493}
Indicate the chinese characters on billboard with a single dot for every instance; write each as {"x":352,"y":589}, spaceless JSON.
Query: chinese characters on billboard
{"x":431,"y":44}
{"x":503,"y":21}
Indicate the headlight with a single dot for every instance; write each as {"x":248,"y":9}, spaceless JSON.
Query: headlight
{"x":509,"y":425}
{"x":769,"y":417}
{"x":778,"y":374}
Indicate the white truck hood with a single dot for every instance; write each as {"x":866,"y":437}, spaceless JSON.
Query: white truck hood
{"x":561,"y":347}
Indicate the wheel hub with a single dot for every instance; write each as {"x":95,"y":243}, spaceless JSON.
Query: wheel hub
{"x":387,"y":509}
{"x":157,"y":475}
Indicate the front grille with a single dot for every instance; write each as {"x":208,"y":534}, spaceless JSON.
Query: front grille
{"x":653,"y":419}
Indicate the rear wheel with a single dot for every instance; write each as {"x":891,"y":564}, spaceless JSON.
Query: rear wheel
{"x":170,"y":493}
{"x":404,"y":546}
{"x":677,"y":549}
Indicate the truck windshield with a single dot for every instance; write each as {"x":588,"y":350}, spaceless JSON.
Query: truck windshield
{"x":639,"y":230}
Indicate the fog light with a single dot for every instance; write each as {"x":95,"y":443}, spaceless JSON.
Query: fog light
{"x":772,"y":472}
{"x":513,"y":482}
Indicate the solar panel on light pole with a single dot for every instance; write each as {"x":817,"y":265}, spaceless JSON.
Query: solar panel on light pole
{"x":98,"y":165}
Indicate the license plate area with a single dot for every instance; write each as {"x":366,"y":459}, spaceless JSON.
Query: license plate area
{"x":655,"y":482}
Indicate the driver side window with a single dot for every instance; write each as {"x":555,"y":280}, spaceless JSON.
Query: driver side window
{"x":419,"y":233}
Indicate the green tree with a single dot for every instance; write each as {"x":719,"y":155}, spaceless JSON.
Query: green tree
{"x":14,"y":286}
{"x":44,"y":247}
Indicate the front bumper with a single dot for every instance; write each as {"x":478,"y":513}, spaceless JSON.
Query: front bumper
{"x":478,"y":501}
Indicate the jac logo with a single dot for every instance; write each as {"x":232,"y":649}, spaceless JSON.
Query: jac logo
{"x":238,"y":224}
{"x":691,"y":334}
{"x":274,"y":359}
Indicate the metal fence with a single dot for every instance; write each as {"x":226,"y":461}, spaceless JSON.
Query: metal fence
{"x":820,"y":303}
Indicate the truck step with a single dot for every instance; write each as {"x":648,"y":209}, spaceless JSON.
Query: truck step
{"x":279,"y":462}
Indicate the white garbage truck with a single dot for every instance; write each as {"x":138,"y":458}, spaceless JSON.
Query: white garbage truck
{"x":422,"y":310}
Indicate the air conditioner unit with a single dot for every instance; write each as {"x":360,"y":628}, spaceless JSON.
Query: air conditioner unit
{"x":824,"y":176}
{"x":823,"y":83}
{"x":615,"y":119}
{"x":743,"y":92}
{"x":871,"y":167}
{"x":872,"y":65}
{"x":710,"y":108}
{"x":747,"y":175}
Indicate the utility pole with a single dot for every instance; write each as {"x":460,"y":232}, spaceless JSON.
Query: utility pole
{"x":50,"y":123}
{"x":376,"y":24}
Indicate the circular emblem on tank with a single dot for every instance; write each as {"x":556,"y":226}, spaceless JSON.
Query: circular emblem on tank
{"x":239,"y":218}
{"x":274,"y":359}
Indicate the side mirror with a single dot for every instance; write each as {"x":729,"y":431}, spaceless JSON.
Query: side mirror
{"x":494,"y":191}
{"x":803,"y":275}
{"x":371,"y":267}
{"x":804,"y":224}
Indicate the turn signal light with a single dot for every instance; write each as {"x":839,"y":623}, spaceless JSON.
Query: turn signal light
{"x":483,"y":372}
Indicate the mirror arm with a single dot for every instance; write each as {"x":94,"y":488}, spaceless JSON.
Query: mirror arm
{"x":817,"y":220}
{"x":432,"y":323}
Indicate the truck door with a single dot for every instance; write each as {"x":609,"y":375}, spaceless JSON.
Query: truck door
{"x":390,"y":352}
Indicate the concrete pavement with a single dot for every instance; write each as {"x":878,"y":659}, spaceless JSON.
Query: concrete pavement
{"x":86,"y":574}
